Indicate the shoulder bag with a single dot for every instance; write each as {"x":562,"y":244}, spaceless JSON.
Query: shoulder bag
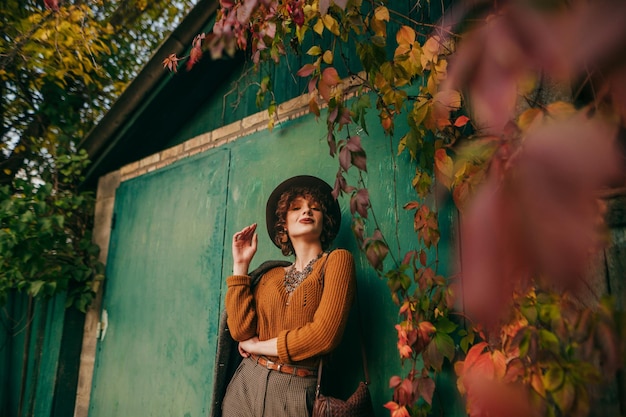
{"x":360,"y":402}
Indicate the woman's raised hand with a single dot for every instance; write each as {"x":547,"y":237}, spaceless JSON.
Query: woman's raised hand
{"x":244,"y":247}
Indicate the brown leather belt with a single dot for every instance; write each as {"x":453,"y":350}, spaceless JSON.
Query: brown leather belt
{"x":280,"y":367}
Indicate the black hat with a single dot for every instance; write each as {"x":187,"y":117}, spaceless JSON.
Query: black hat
{"x":303,"y":181}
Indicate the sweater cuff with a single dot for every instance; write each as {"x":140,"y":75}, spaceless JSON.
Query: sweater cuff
{"x":281,"y":344}
{"x":235,"y":280}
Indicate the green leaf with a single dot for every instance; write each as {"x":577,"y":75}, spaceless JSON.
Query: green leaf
{"x":411,"y":142}
{"x":445,"y":344}
{"x":529,"y":312}
{"x":553,"y":378}
{"x":565,"y":396}
{"x":549,"y":341}
{"x":35,"y":287}
{"x":444,"y":325}
{"x":524,"y":343}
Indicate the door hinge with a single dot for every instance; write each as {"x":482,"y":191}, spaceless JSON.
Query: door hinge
{"x":103,"y":324}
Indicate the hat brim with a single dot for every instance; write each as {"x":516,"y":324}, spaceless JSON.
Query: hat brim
{"x":303,"y":181}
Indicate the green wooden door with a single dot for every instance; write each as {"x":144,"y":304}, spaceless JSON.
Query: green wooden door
{"x":162,"y":293}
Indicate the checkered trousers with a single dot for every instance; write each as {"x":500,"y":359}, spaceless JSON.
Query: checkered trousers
{"x":255,"y":391}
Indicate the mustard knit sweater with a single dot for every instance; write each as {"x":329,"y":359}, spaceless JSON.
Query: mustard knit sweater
{"x":309,"y":324}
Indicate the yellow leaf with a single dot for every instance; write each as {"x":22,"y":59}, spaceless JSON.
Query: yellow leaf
{"x":381,"y":13}
{"x":301,"y":31}
{"x":459,"y":173}
{"x":314,"y":51}
{"x":431,"y":51}
{"x":528,"y":117}
{"x":331,"y":24}
{"x":443,"y":167}
{"x":328,"y":57}
{"x":378,"y":26}
{"x":401,"y":50}
{"x":405,"y":36}
{"x":318,"y":27}
{"x":441,"y":69}
{"x":560,"y":109}
{"x":7,"y":171}
{"x":431,"y":84}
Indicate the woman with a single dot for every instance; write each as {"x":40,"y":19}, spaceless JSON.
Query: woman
{"x":295,"y":314}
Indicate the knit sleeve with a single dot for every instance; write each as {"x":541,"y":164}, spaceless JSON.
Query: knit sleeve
{"x":324,"y":333}
{"x":240,"y":308}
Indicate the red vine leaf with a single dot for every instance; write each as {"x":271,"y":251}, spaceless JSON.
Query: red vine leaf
{"x":306,"y":70}
{"x":341,"y":186}
{"x":324,"y":5}
{"x":427,"y":389}
{"x":358,"y":228}
{"x":445,"y":101}
{"x":360,"y":202}
{"x":354,"y":144}
{"x":396,"y":410}
{"x":407,"y":257}
{"x":345,"y":119}
{"x":461,"y":121}
{"x":376,"y":250}
{"x":314,"y":108}
{"x":394,"y":381}
{"x":403,"y":393}
{"x":296,"y":12}
{"x":539,"y":214}
{"x":196,"y":51}
{"x":329,"y":79}
{"x":357,"y":154}
{"x":341,"y":4}
{"x":443,"y":168}
{"x":52,"y":5}
{"x":312,"y":85}
{"x":411,"y":205}
{"x":345,"y":158}
{"x":332,"y":146}
{"x":171,"y":62}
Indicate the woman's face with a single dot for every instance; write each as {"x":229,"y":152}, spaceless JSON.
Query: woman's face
{"x":304,"y":218}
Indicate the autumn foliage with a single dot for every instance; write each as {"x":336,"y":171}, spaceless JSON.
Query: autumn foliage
{"x":524,"y":165}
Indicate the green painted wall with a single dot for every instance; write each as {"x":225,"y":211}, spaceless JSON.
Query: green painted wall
{"x":30,"y":347}
{"x":162,"y":292}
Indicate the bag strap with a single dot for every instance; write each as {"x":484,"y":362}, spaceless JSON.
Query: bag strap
{"x":360,"y":330}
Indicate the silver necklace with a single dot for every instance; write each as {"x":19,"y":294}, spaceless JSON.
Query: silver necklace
{"x":293,"y":278}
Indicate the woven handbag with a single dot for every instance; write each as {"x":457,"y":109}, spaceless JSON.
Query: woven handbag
{"x":360,"y":402}
{"x":358,"y":405}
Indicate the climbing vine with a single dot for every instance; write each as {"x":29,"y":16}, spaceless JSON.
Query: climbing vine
{"x":523,"y":170}
{"x":45,"y":236}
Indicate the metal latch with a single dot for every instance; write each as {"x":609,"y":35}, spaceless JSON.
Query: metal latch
{"x":103,"y":324}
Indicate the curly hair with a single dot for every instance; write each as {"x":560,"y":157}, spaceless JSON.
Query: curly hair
{"x":312,"y":195}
